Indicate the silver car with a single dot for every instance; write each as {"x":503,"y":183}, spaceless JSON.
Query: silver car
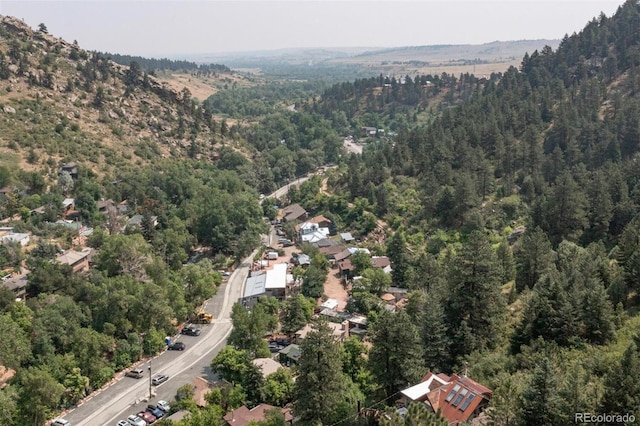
{"x":136,"y":421}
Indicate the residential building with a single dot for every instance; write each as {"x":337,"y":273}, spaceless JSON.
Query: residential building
{"x":254,"y":289}
{"x":243,"y":416}
{"x":105,"y":205}
{"x":71,"y":168}
{"x":290,"y":354}
{"x":294,"y":212}
{"x":17,"y":284}
{"x":321,"y":221}
{"x":382,"y":262}
{"x":340,"y":331}
{"x":136,"y":220}
{"x":347,"y":237}
{"x":267,"y":366}
{"x":14,"y":237}
{"x":78,"y":260}
{"x":459,"y":399}
{"x":276,"y":280}
{"x":312,"y":233}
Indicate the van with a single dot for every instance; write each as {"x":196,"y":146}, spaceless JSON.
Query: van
{"x":136,"y":373}
{"x":60,"y":422}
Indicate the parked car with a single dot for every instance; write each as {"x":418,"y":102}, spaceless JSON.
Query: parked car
{"x":287,"y":244}
{"x":136,"y":373}
{"x":279,"y":232}
{"x":60,"y":422}
{"x":155,"y":411}
{"x":190,"y":331}
{"x":136,"y":421}
{"x":176,"y":346}
{"x":123,"y":423}
{"x":283,"y":342}
{"x":147,"y":417}
{"x":164,"y":406}
{"x":159,"y":379}
{"x":274,"y":347}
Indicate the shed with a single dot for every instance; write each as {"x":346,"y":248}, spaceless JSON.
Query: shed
{"x":330,"y":304}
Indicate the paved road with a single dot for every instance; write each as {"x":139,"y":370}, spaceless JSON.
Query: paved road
{"x":126,"y":396}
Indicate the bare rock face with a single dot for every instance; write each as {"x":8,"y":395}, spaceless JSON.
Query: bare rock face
{"x":9,"y":110}
{"x":113,"y":115}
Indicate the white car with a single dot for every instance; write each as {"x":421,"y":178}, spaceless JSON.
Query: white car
{"x":163,"y":405}
{"x":136,"y":421}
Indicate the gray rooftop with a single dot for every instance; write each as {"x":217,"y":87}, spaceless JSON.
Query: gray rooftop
{"x":255,"y":286}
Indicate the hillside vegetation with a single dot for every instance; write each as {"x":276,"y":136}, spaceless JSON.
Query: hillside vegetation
{"x":61,"y":103}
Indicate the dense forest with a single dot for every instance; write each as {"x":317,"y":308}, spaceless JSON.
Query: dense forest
{"x":514,"y":205}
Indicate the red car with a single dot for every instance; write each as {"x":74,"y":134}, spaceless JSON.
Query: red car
{"x":147,"y":417}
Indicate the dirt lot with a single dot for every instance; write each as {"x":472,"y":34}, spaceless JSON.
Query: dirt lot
{"x":332,"y":287}
{"x":334,"y":290}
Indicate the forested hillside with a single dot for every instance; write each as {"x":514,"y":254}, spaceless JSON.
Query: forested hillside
{"x":508,"y":207}
{"x":109,"y":182}
{"x":545,"y":317}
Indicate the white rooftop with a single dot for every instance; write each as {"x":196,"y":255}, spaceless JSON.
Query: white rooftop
{"x":330,"y":304}
{"x":277,"y":277}
{"x":418,"y":391}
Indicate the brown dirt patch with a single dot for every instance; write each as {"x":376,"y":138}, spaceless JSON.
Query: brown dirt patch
{"x":334,"y":289}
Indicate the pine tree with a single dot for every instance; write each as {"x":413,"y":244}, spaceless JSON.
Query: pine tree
{"x":540,"y":401}
{"x":434,"y":334}
{"x":397,"y":252}
{"x":474,"y":293}
{"x":396,"y":357}
{"x":533,"y":259}
{"x":597,"y":313}
{"x":621,"y":385}
{"x":321,"y":385}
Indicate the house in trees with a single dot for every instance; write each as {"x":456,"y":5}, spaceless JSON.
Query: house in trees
{"x":243,"y":416}
{"x":7,"y":236}
{"x":71,"y":168}
{"x":347,"y":237}
{"x":137,"y":220}
{"x":78,"y":260}
{"x":294,"y":212}
{"x":382,"y":262}
{"x":340,"y":331}
{"x":290,"y":354}
{"x":105,"y":205}
{"x":16,"y":283}
{"x":458,"y":398}
{"x":312,"y":232}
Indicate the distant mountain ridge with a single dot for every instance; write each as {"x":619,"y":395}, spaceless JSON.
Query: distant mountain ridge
{"x":486,"y":51}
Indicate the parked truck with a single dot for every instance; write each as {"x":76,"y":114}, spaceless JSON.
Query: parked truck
{"x":272,"y":255}
{"x":201,"y":317}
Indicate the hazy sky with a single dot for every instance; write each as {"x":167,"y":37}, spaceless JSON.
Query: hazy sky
{"x":175,"y":27}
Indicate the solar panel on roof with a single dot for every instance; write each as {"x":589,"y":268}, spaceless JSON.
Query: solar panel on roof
{"x":456,"y":388}
{"x":466,"y":403}
{"x":459,"y":397}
